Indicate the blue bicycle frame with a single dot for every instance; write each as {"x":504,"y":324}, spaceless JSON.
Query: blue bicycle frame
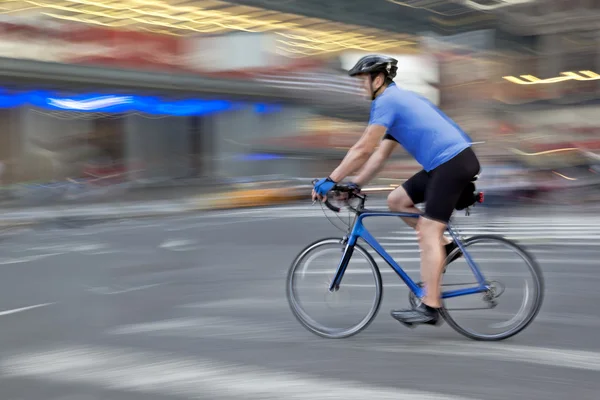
{"x":359,"y":231}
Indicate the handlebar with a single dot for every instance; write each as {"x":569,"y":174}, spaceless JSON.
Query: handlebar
{"x":341,"y":189}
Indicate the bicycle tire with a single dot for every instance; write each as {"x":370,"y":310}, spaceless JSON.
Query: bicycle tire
{"x":303,"y":317}
{"x":531,"y":314}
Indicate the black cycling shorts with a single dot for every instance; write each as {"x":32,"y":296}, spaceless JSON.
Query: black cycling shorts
{"x":441,"y":188}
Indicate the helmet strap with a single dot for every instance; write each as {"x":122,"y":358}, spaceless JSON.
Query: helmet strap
{"x":374,"y":92}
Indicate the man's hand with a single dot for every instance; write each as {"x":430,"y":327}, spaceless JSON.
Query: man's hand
{"x":321,"y":187}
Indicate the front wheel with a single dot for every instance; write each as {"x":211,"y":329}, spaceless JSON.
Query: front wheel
{"x":514,"y":281}
{"x":361,"y":283}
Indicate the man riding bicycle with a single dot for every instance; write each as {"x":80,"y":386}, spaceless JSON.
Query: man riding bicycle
{"x":441,"y":148}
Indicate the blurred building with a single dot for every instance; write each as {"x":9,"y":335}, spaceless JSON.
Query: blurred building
{"x":152,"y":91}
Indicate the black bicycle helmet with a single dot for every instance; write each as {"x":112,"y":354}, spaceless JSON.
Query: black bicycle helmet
{"x":374,"y":65}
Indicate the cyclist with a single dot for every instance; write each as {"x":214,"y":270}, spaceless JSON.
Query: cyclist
{"x":443,"y":150}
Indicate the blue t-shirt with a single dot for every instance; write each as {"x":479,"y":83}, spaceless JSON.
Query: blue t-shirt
{"x":426,"y":133}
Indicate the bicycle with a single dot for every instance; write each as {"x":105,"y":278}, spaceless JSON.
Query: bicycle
{"x":490,"y":290}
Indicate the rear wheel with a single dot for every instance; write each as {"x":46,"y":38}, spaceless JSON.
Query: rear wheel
{"x":514,"y":280}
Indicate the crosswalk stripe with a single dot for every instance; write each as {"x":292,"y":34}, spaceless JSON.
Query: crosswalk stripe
{"x":508,"y":234}
{"x":413,"y":248}
{"x":496,"y":274}
{"x":479,"y":260}
{"x":158,"y":373}
{"x":249,"y":330}
{"x":562,"y":358}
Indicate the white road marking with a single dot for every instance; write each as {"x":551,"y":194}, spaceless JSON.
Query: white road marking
{"x":526,"y":229}
{"x":108,"y":291}
{"x":21,"y":260}
{"x":68,"y":248}
{"x":413,"y":248}
{"x":561,"y":358}
{"x":101,"y":252}
{"x":568,"y":319}
{"x":18,"y":310}
{"x":105,"y":229}
{"x":176,"y":244}
{"x":158,"y":326}
{"x":156,"y":373}
{"x":211,"y":327}
{"x":274,"y":303}
{"x":212,"y":225}
{"x":508,"y":235}
{"x":569,"y":243}
{"x":494,"y":274}
{"x":478,"y":260}
{"x":251,"y":303}
{"x":88,"y":248}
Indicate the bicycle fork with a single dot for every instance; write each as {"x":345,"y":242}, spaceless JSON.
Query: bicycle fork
{"x":334,"y":286}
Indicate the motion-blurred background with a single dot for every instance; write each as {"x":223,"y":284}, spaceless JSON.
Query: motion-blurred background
{"x":166,"y":109}
{"x":127,"y":99}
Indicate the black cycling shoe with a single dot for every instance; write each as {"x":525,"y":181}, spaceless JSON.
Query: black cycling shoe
{"x":422,"y":314}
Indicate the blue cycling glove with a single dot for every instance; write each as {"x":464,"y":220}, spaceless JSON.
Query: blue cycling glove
{"x":322,"y":186}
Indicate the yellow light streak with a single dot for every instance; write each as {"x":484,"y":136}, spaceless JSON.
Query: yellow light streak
{"x":160,"y":16}
{"x":567,"y":76}
{"x":427,"y":6}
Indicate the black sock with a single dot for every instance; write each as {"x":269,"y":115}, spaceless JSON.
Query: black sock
{"x":427,"y":308}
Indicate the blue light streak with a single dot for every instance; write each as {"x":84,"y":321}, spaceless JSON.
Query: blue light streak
{"x":119,"y":103}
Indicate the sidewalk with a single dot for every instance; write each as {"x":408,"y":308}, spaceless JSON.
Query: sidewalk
{"x":43,"y":204}
{"x":133,"y":206}
{"x":138,"y":205}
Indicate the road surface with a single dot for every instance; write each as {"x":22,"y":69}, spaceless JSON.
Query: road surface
{"x":194,"y":307}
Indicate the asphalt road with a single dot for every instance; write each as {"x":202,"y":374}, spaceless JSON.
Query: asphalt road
{"x":194,"y":307}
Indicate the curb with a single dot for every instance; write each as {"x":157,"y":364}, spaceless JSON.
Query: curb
{"x":242,"y":198}
{"x":222,"y":201}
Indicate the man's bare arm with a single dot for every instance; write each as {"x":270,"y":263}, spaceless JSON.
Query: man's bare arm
{"x":359,"y":153}
{"x":375,"y":162}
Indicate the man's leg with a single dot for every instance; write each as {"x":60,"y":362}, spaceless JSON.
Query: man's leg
{"x":400,"y":201}
{"x":404,"y":198}
{"x":432,"y":259}
{"x":443,"y":191}
{"x":433,"y":255}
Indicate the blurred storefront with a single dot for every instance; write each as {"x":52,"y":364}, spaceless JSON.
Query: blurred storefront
{"x":138,"y":106}
{"x":159,"y":99}
{"x":150,"y":107}
{"x":54,"y":136}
